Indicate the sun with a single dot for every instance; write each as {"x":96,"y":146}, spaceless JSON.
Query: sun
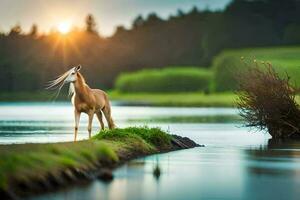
{"x":64,"y":27}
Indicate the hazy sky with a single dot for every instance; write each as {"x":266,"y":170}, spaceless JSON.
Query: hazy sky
{"x":108,"y":13}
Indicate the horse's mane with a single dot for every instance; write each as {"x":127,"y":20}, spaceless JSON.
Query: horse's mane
{"x":72,"y":87}
{"x":59,"y":82}
{"x":81,"y":78}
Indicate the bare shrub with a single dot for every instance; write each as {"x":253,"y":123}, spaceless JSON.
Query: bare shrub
{"x":267,"y":101}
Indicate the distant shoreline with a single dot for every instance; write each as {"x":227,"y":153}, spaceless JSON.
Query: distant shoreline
{"x":192,"y":99}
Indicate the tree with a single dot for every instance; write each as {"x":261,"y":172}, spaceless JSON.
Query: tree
{"x":15,"y":30}
{"x":120,"y":29}
{"x":194,"y":11}
{"x":153,"y":19}
{"x":180,"y":13}
{"x":34,"y":30}
{"x":90,"y":24}
{"x":139,"y":21}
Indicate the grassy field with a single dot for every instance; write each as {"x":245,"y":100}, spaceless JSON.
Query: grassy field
{"x":192,"y":119}
{"x":170,"y":79}
{"x":157,"y":99}
{"x":176,"y":99}
{"x":228,"y":64}
{"x":24,"y":162}
{"x":152,"y":99}
{"x":179,"y":99}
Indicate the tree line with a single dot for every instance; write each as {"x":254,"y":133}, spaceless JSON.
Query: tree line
{"x":193,"y":38}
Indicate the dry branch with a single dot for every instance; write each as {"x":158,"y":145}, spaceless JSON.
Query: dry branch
{"x":267,"y":101}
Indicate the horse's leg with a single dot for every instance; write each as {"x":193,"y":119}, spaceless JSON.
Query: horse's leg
{"x":91,"y":116}
{"x":77,"y":118}
{"x":107,"y":114}
{"x":99,"y":116}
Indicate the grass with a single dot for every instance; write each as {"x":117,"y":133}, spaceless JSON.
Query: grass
{"x":192,"y":119}
{"x":190,"y":99}
{"x":154,"y":137}
{"x":170,"y":79}
{"x":23,"y":162}
{"x":227,"y":64}
{"x":193,"y":99}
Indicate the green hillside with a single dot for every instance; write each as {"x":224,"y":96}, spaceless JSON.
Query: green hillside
{"x":228,"y":64}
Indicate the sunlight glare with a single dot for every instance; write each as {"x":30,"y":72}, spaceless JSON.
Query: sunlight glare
{"x":64,"y":27}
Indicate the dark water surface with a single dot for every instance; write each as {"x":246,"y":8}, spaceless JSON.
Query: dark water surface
{"x":235,"y":164}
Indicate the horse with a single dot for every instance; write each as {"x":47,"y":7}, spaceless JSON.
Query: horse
{"x":84,"y":99}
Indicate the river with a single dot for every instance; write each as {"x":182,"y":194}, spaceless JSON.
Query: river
{"x":236,"y":163}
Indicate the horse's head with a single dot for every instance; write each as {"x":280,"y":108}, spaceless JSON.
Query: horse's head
{"x":72,"y":75}
{"x":69,"y":76}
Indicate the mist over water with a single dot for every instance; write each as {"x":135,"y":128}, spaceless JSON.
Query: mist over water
{"x":234,"y":164}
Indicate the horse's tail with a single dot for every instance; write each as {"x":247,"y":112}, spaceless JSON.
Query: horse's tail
{"x":107,"y":113}
{"x":111,"y":123}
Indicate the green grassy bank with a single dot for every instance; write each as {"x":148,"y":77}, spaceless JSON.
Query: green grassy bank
{"x":22,"y":165}
{"x":193,"y":99}
{"x":190,"y":99}
{"x":170,"y":79}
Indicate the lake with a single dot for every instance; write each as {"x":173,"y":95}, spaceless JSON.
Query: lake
{"x":235,"y":163}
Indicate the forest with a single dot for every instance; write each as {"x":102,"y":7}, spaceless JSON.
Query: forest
{"x":29,"y":59}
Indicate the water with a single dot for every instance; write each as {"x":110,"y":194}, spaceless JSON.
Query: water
{"x":235,"y":164}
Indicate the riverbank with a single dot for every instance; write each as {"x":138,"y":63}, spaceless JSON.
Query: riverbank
{"x":192,"y":99}
{"x":27,"y":169}
{"x":140,"y":99}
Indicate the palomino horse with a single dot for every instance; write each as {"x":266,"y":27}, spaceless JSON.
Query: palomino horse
{"x":85,"y":99}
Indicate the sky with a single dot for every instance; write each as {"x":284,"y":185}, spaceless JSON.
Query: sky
{"x":47,"y":14}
